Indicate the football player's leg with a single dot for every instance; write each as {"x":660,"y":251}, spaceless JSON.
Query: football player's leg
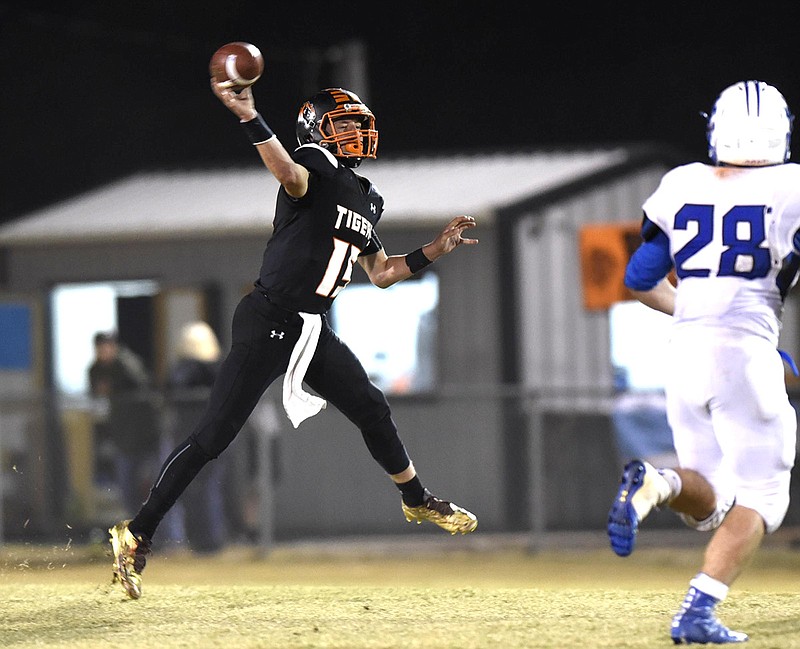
{"x":234,"y":395}
{"x":733,"y":544}
{"x":338,"y":376}
{"x":644,"y":488}
{"x":691,"y":401}
{"x":705,"y":492}
{"x":755,"y":427}
{"x":254,"y":361}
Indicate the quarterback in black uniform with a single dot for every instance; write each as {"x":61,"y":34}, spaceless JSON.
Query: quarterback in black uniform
{"x":324,"y":222}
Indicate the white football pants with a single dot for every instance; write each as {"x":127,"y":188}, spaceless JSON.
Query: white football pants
{"x":731,"y":418}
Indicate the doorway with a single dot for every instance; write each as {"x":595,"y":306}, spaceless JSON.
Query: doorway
{"x":81,"y":310}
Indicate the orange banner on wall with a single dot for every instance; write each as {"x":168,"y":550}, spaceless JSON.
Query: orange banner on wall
{"x":605,"y":249}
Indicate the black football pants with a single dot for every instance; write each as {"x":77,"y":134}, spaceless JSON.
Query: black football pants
{"x":263,"y":336}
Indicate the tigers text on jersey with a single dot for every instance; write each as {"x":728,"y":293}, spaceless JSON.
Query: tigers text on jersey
{"x":731,"y":234}
{"x":316,"y":239}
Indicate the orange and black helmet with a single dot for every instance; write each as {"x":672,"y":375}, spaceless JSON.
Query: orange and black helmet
{"x":315,"y":125}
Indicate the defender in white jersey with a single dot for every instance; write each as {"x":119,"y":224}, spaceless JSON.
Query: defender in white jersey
{"x":730,"y":230}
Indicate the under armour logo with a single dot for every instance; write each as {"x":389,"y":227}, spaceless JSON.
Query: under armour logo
{"x":372,"y":208}
{"x":277,"y":334}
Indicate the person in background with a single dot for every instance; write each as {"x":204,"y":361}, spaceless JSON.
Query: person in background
{"x":731,"y":230}
{"x":639,"y":421}
{"x":325,"y":221}
{"x":127,"y":428}
{"x":201,"y":510}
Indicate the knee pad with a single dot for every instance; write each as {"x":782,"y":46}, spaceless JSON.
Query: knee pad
{"x":713,"y":521}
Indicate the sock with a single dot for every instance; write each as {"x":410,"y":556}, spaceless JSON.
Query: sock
{"x":709,"y":586}
{"x":656,"y":492}
{"x":413,"y":492}
{"x":675,"y":482}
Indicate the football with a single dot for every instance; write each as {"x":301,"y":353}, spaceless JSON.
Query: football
{"x":237,"y":64}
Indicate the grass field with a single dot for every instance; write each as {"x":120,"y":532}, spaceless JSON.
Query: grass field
{"x":416,"y":596}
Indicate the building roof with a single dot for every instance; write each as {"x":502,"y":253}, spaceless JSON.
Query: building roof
{"x":180,"y":204}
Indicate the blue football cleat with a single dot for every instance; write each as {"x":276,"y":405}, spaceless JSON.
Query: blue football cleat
{"x":641,"y":489}
{"x":697,"y":623}
{"x":623,"y":522}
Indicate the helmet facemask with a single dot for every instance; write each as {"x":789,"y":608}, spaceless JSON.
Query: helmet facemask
{"x":361,"y":142}
{"x":316,"y":123}
{"x":750,"y":126}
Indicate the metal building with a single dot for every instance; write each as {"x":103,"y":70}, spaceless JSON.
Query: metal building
{"x":522,"y":366}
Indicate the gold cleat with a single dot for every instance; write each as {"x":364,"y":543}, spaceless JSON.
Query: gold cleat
{"x":446,"y":515}
{"x":129,"y":558}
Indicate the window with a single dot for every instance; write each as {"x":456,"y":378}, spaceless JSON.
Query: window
{"x":15,"y":343}
{"x":638,"y":345}
{"x":392,"y":331}
{"x":79,"y":311}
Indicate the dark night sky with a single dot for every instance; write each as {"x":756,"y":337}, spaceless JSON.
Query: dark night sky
{"x":95,"y":90}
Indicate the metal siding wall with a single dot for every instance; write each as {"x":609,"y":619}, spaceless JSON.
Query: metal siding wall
{"x":453,"y":437}
{"x":468,"y":304}
{"x":563,"y":346}
{"x":469,"y":318}
{"x":232,"y":264}
{"x":329,"y":484}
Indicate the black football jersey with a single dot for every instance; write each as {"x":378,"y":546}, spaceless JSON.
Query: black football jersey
{"x":316,"y":239}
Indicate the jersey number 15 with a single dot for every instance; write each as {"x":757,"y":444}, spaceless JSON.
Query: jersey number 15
{"x":340,"y":268}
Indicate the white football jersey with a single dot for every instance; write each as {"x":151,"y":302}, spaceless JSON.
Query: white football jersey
{"x":731,"y":232}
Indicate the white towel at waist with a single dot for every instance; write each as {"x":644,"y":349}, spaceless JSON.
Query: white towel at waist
{"x":298,"y":403}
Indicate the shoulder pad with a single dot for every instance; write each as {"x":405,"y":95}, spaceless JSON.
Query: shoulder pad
{"x":314,"y":158}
